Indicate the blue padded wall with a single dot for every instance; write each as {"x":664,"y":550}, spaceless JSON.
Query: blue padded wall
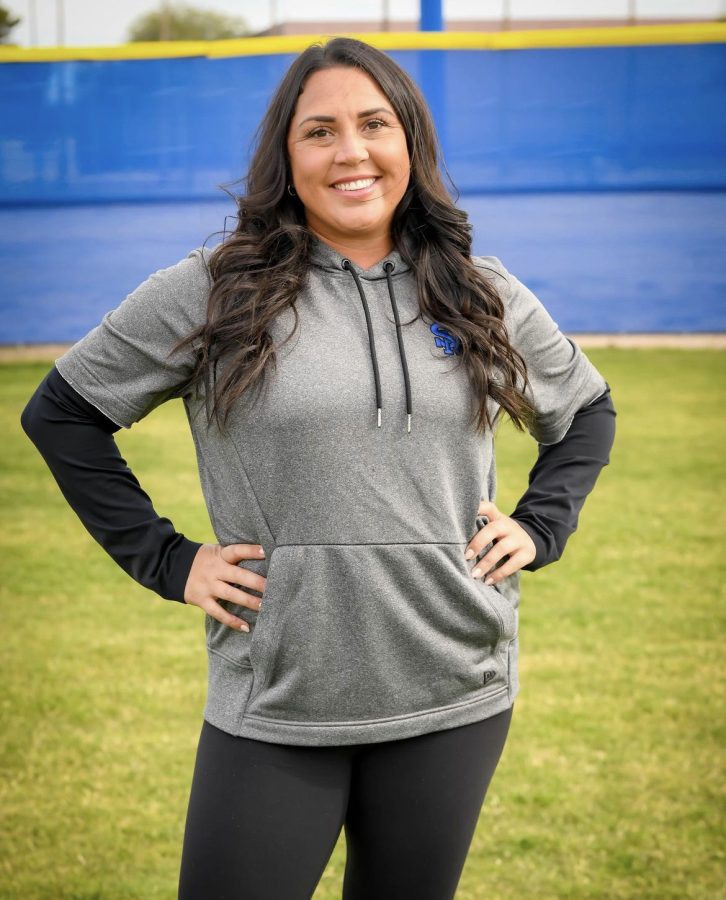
{"x":594,"y":118}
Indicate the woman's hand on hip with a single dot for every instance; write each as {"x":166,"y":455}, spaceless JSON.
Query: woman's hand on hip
{"x":510,"y":540}
{"x":213,"y":577}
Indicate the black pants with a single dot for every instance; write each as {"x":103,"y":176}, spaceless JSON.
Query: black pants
{"x":264,"y":819}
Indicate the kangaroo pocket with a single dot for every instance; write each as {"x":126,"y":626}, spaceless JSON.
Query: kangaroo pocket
{"x":373,"y":631}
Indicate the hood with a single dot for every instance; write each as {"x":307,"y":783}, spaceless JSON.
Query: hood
{"x":323,"y":256}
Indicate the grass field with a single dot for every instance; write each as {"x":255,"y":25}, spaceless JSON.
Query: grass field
{"x":611,"y":783}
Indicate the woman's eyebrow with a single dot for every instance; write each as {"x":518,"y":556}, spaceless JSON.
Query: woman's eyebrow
{"x":361,"y":115}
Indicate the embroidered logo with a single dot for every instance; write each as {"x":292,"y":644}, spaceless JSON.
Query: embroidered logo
{"x":446,"y":340}
{"x":488,"y":675}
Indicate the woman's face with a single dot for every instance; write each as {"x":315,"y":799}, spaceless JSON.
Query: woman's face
{"x":348,"y":155}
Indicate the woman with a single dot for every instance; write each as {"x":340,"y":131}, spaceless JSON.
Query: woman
{"x":343,"y":361}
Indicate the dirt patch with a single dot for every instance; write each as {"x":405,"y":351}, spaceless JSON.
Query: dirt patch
{"x":715,"y":340}
{"x":31,"y":352}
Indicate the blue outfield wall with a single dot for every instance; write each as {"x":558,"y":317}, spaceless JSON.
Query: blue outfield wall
{"x":591,"y":162}
{"x":566,"y":118}
{"x":611,"y":262}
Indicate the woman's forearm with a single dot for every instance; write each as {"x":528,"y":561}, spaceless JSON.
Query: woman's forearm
{"x":76,"y":441}
{"x":564,"y":474}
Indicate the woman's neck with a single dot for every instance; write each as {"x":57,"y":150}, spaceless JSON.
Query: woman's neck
{"x":364,"y":253}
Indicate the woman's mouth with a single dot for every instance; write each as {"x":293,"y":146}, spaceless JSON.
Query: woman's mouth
{"x":358,"y":187}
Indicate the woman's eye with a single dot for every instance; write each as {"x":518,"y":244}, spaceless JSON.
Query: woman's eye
{"x":325,"y":132}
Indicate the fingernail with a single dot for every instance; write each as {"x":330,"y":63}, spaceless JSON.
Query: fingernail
{"x":475,"y":572}
{"x":262,"y":551}
{"x":489,"y":580}
{"x":469,"y":553}
{"x":244,"y":627}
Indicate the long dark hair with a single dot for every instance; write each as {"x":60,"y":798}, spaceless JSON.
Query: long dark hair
{"x":259,"y":269}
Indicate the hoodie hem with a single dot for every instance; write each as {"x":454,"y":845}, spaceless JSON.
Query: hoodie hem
{"x":230,"y":687}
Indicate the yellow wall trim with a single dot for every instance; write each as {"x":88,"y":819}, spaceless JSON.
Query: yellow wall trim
{"x":621,"y":36}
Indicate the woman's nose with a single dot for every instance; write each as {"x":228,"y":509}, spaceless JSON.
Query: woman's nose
{"x":351,"y":150}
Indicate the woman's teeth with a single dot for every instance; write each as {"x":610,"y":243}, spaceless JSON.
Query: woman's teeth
{"x":354,"y":185}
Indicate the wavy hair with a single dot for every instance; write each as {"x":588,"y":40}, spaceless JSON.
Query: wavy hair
{"x":259,"y":269}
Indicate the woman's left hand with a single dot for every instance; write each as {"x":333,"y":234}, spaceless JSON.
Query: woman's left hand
{"x":511,"y":540}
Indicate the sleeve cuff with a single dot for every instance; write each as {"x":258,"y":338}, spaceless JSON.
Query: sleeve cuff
{"x":541,"y":555}
{"x":180,"y":563}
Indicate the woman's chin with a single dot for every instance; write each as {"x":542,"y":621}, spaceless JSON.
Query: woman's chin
{"x":362,"y":227}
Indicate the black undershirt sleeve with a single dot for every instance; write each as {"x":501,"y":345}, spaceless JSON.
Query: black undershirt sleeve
{"x":564,"y":474}
{"x":76,"y":441}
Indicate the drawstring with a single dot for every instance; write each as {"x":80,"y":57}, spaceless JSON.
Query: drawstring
{"x":388,"y":267}
{"x":347,"y":265}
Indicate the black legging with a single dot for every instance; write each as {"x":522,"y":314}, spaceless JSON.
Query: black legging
{"x":264,"y":819}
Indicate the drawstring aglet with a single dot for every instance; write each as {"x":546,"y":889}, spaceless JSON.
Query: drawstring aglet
{"x":379,"y":416}
{"x":409,"y":422}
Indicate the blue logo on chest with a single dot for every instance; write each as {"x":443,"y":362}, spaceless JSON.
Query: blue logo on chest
{"x":446,"y":340}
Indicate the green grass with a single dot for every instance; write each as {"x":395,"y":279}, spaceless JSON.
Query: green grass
{"x":611,"y":782}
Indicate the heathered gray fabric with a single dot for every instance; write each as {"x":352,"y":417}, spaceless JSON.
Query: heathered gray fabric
{"x":371,"y":627}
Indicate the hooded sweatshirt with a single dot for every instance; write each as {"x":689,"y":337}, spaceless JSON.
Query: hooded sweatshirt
{"x":357,"y":471}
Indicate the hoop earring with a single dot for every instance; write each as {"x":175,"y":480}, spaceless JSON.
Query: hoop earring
{"x":291,"y":190}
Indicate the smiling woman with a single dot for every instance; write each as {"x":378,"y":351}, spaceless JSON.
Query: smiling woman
{"x":349,"y":162}
{"x":362,"y":602}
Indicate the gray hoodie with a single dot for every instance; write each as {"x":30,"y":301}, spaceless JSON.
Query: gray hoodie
{"x":357,"y":471}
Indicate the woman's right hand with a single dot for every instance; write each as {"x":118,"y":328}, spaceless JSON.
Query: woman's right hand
{"x":212,"y":576}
